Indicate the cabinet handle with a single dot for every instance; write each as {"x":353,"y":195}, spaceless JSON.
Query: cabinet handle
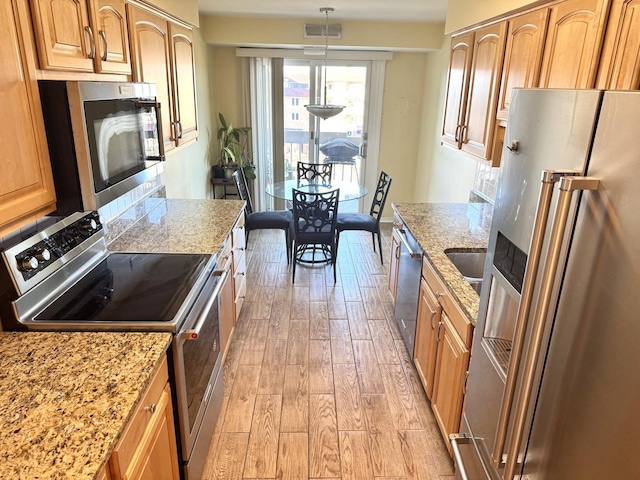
{"x":103,"y":36}
{"x":463,"y":129}
{"x":180,"y":129}
{"x":92,"y":42}
{"x":438,"y":339}
{"x":455,"y":135}
{"x":151,"y":408}
{"x":464,"y":384}
{"x":433,"y":315}
{"x":398,"y":252}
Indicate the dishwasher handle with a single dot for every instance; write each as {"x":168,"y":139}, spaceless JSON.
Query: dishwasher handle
{"x":403,"y":237}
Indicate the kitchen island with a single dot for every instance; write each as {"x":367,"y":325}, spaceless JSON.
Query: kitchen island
{"x":66,"y":398}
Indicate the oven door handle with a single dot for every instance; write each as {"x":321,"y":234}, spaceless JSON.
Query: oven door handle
{"x":194,"y":333}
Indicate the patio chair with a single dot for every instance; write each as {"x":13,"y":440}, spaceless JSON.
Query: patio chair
{"x":268,"y":220}
{"x":370,"y":222}
{"x":314,"y":228}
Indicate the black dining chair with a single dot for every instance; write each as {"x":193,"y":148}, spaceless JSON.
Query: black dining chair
{"x":314,"y":228}
{"x":267,"y":220}
{"x":315,"y":173}
{"x":370,"y":222}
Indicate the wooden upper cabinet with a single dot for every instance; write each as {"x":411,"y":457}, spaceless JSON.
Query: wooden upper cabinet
{"x":111,"y":36}
{"x":152,"y":62}
{"x":82,"y":35}
{"x":65,"y":39}
{"x":184,"y":81}
{"x":573,"y":44}
{"x":457,"y":84}
{"x":523,"y":55}
{"x":26,"y":185}
{"x":620,"y":63}
{"x":484,"y":79}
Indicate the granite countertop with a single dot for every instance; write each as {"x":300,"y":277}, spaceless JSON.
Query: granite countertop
{"x":439,"y":227}
{"x":169,"y":225}
{"x":65,"y":398}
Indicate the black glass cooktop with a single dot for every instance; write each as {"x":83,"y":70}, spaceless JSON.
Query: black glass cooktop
{"x":130,"y":287}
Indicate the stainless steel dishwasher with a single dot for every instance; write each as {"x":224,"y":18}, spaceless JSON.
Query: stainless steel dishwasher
{"x":409,"y":272}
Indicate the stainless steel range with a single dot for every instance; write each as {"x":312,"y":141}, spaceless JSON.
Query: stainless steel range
{"x":64,"y":278}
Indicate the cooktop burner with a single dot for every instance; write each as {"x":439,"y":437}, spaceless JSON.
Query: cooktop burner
{"x":129,"y":287}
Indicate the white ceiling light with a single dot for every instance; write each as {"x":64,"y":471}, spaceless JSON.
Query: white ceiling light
{"x":323,"y":110}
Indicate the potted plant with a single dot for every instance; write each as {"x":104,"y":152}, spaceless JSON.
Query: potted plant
{"x":234,"y":149}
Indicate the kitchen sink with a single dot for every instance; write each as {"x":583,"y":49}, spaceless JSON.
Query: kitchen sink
{"x":470,"y":265}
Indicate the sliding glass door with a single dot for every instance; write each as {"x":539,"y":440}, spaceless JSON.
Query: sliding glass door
{"x":340,"y":140}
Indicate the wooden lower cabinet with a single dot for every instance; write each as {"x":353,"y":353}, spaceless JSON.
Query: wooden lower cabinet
{"x":426,"y":348}
{"x":147,"y":449}
{"x":450,"y":371}
{"x":238,"y":243}
{"x":226,"y":305}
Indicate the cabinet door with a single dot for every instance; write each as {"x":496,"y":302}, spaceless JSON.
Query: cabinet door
{"x":451,"y":368}
{"x":484,"y":80}
{"x":65,"y":39}
{"x":573,"y":44}
{"x":620,"y":62}
{"x":26,"y":185}
{"x":112,"y":38}
{"x":394,"y":264}
{"x":152,"y":62}
{"x":457,"y":84}
{"x":429,"y":311}
{"x":523,"y":55}
{"x":157,"y":458}
{"x":184,"y":76}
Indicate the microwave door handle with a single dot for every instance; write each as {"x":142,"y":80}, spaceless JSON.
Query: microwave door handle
{"x":549,"y":179}
{"x":194,"y":333}
{"x":568,"y":185}
{"x":157,"y":106}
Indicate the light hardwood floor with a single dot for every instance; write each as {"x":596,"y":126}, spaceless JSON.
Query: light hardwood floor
{"x":318,"y":383}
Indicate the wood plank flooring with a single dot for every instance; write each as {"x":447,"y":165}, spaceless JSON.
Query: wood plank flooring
{"x":318,"y":383}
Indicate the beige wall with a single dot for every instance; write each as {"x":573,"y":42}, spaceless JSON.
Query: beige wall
{"x":442,"y":174}
{"x":185,"y":10}
{"x":464,"y":13}
{"x":286,"y":32}
{"x":187,"y":171}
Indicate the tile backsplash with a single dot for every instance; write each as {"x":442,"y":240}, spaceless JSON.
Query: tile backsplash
{"x":485,"y":184}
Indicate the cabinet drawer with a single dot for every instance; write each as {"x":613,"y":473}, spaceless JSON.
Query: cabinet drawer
{"x":458,"y":319}
{"x":143,"y":416}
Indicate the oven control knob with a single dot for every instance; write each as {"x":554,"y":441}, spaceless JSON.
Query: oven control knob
{"x":43,"y":255}
{"x":28,"y":264}
{"x":88,"y":225}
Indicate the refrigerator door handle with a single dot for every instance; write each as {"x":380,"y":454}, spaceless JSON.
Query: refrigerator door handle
{"x":568,"y":185}
{"x":549,"y":179}
{"x":457,"y":439}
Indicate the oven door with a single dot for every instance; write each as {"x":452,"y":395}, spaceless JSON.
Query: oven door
{"x":198,"y":361}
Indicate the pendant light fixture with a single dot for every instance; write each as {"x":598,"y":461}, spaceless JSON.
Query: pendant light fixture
{"x":323,"y":110}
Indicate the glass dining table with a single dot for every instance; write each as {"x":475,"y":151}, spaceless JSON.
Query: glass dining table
{"x":348,"y":190}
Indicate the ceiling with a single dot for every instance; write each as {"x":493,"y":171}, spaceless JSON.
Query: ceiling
{"x":394,"y":10}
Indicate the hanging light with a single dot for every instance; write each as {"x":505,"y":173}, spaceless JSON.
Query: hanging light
{"x":323,"y":110}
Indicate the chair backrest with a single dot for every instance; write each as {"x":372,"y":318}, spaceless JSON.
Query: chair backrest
{"x":243,"y":189}
{"x":380,"y":196}
{"x":315,"y":173}
{"x":315,"y":215}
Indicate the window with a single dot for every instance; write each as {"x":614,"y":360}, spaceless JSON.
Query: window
{"x":295,"y":116}
{"x":295,"y":101}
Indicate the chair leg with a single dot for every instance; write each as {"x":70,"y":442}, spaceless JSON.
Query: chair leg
{"x":380,"y":246}
{"x":246,"y":236}
{"x":288,"y":246}
{"x":294,"y":259}
{"x":334,"y":260}
{"x":373,"y":240}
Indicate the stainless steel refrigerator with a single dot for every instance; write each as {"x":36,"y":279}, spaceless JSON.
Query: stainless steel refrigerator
{"x":554,"y":380}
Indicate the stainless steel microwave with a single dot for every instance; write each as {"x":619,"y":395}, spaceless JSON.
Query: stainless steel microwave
{"x":105,"y":139}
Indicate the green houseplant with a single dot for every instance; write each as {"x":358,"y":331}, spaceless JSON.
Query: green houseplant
{"x":234,"y":148}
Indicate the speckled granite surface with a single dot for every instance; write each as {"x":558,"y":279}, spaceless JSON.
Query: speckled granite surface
{"x":174,"y":226}
{"x":439,"y":227}
{"x":66,"y":397}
